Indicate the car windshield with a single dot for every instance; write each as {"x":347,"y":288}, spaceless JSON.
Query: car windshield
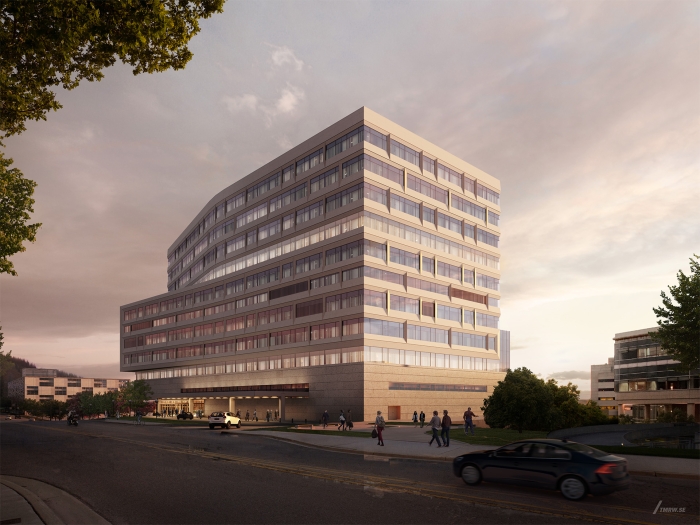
{"x":584,"y":449}
{"x":217,"y":414}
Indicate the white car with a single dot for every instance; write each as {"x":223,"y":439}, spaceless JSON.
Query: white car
{"x":224,"y":419}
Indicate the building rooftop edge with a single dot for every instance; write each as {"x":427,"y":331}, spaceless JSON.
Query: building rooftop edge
{"x":635,"y":333}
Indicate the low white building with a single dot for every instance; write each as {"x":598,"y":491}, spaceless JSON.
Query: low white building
{"x":603,"y":386}
{"x":43,"y":384}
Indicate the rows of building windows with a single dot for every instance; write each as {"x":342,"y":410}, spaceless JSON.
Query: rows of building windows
{"x":398,"y":302}
{"x":337,"y":302}
{"x":315,"y":210}
{"x":368,"y":354}
{"x":352,"y":222}
{"x":363,"y":133}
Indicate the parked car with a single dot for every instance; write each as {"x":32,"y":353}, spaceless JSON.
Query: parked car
{"x":185,"y":415}
{"x":572,"y":468}
{"x":224,"y":419}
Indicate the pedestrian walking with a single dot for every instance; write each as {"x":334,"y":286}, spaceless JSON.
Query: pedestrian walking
{"x":415,"y":419}
{"x":446,"y":424}
{"x":324,"y":418}
{"x":267,"y":416}
{"x":468,"y":423}
{"x":435,"y":426}
{"x":255,"y":414}
{"x":247,"y":415}
{"x":379,"y":425}
{"x":422,"y":418}
{"x":348,"y":420}
{"x":138,"y":417}
{"x":341,"y":426}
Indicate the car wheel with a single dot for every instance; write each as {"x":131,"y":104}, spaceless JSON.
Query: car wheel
{"x":471,"y":475}
{"x":238,"y":425}
{"x":211,"y":427}
{"x":573,"y":488}
{"x":228,"y":425}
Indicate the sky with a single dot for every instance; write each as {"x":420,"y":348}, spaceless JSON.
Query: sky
{"x":588,"y":113}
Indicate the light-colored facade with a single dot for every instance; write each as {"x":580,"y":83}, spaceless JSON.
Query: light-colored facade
{"x":42,"y":384}
{"x":603,"y":386}
{"x":359,"y":270}
{"x":646,"y":382}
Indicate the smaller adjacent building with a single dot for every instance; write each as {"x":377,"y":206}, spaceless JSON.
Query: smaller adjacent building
{"x":43,"y":384}
{"x":603,"y":386}
{"x":646,"y":380}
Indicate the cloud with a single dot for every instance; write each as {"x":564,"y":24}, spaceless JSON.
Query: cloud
{"x":570,"y":375}
{"x":289,"y":100}
{"x":241,"y":103}
{"x":282,"y":55}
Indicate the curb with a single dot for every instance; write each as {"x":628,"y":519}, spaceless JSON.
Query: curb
{"x":43,"y":511}
{"x":443,"y":459}
{"x":64,"y":508}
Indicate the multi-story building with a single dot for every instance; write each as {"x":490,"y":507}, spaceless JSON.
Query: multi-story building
{"x":42,"y":384}
{"x":359,"y":270}
{"x":646,"y":382}
{"x":603,"y":386}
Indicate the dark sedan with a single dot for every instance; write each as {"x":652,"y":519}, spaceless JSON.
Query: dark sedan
{"x":572,"y":468}
{"x":185,"y":415}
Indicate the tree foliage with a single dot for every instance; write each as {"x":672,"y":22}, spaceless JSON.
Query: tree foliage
{"x":522,"y":401}
{"x":16,"y":203}
{"x":135,"y":394}
{"x":51,"y":43}
{"x":61,"y":42}
{"x":679,"y":319}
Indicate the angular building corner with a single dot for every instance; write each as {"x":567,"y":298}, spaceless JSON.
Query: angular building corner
{"x":359,"y":270}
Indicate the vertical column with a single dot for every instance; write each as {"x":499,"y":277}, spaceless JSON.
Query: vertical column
{"x":691,"y":409}
{"x":647,"y":411}
{"x":232,"y":405}
{"x":280,"y":404}
{"x":191,"y":405}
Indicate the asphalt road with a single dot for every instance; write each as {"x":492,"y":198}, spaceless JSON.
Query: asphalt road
{"x":153,"y":474}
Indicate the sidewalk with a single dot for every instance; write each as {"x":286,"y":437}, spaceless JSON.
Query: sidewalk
{"x":409,"y":442}
{"x":28,"y":501}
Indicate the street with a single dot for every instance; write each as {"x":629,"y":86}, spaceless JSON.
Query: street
{"x":163,"y":474}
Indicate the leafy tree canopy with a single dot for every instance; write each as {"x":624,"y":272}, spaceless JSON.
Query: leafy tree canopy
{"x":679,"y":319}
{"x":61,"y":42}
{"x":523,"y":401}
{"x":16,"y":203}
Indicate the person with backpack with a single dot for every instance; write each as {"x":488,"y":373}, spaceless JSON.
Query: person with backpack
{"x":341,"y":425}
{"x":468,"y":424}
{"x":446,"y":424}
{"x":379,"y":425}
{"x":422,"y":418}
{"x":415,"y":419}
{"x":435,"y":426}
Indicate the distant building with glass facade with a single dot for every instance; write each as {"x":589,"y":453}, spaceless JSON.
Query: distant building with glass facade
{"x":359,"y":270}
{"x":603,"y":386}
{"x":646,"y":382}
{"x":43,"y":384}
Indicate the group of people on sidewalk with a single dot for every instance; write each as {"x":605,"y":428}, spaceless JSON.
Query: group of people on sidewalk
{"x":436,"y":424}
{"x":344,"y":420}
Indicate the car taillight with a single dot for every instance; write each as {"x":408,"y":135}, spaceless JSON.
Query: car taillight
{"x":608,"y":468}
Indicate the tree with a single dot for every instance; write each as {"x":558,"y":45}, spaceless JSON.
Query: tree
{"x":135,"y":394}
{"x":679,"y":319}
{"x":16,"y":204}
{"x":53,"y":43}
{"x":523,"y":401}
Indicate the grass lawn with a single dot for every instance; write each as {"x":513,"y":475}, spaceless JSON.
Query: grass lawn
{"x":322,"y":432}
{"x":495,"y":437}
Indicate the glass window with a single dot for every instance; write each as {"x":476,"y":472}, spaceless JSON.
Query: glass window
{"x":251,"y":215}
{"x":376,"y":166}
{"x":309,"y":308}
{"x":449,"y":313}
{"x":321,"y":181}
{"x":428,"y":215}
{"x":310,"y":161}
{"x":450,"y":223}
{"x":427,"y":189}
{"x":404,"y":258}
{"x":487,"y":320}
{"x":356,"y":249}
{"x":449,"y":271}
{"x":487,"y":193}
{"x":310,"y":212}
{"x":429,"y":265}
{"x":420,"y":284}
{"x":406,"y":206}
{"x":428,"y":165}
{"x":424,"y":333}
{"x":449,"y":175}
{"x":404,"y":152}
{"x":469,"y":207}
{"x":307,"y":264}
{"x":235,"y":202}
{"x":288,"y":197}
{"x":404,"y":304}
{"x":494,"y":218}
{"x":288,"y":173}
{"x":487,"y":281}
{"x":269,"y":184}
{"x":326,"y":280}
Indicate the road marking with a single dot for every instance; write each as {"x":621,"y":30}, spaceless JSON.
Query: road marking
{"x":404,"y":486}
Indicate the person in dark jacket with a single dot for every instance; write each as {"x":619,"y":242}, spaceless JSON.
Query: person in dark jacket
{"x":446,"y":424}
{"x":422,"y":418}
{"x":324,"y":418}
